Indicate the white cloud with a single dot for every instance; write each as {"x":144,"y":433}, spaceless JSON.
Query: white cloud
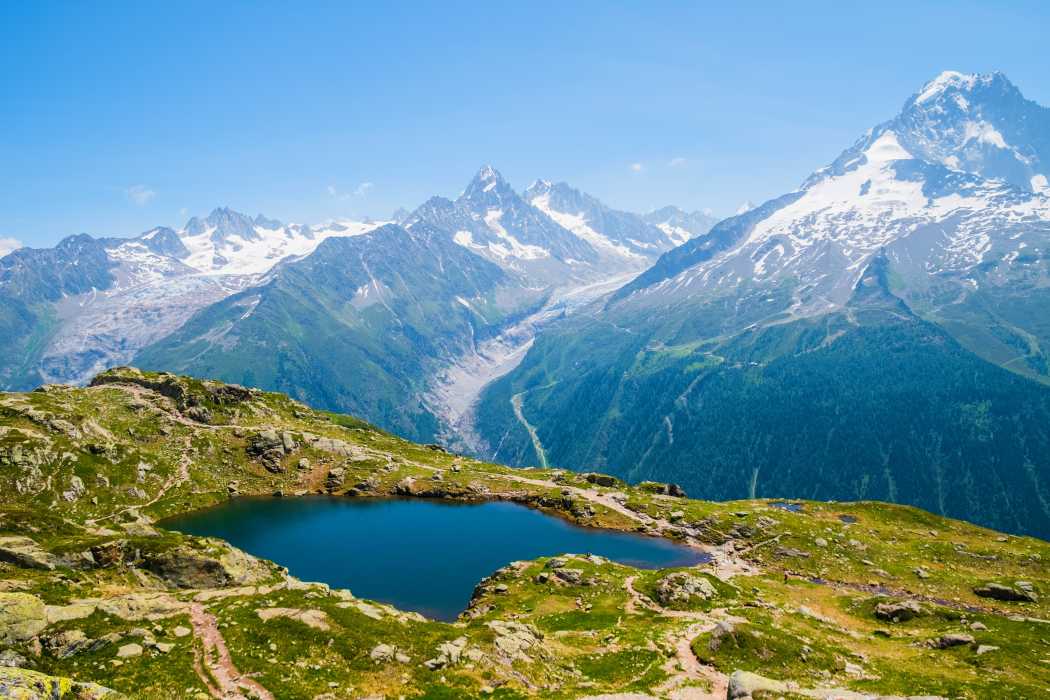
{"x":360,"y":191}
{"x":637,"y":167}
{"x":140,"y":194}
{"x":708,"y":211}
{"x":676,"y":162}
{"x":747,"y":206}
{"x":9,"y":244}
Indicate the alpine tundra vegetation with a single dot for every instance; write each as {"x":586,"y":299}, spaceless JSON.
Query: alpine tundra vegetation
{"x":798,"y":599}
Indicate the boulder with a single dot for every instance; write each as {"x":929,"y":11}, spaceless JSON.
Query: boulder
{"x":573,"y":577}
{"x":662,"y":488}
{"x":718,"y":635}
{"x":22,"y":683}
{"x":998,"y":591}
{"x":138,"y":606}
{"x":682,"y":588}
{"x":791,"y":553}
{"x":24,"y":552}
{"x":129,"y":650}
{"x":22,"y":617}
{"x":317,"y":619}
{"x":448,"y":653}
{"x":9,"y":658}
{"x":381,"y":653}
{"x":200,"y":414}
{"x":62,"y":645}
{"x":600,"y":479}
{"x":898,"y":612}
{"x":76,"y":489}
{"x":515,"y":639}
{"x":743,"y":684}
{"x":186,"y":567}
{"x":953,"y":639}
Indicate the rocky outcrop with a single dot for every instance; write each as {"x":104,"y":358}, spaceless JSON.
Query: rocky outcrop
{"x":998,"y":591}
{"x":22,"y":617}
{"x":268,"y":447}
{"x":898,"y":612}
{"x":682,"y":588}
{"x":516,"y":641}
{"x":600,"y":479}
{"x":185,"y":567}
{"x":448,"y":653}
{"x":31,"y":685}
{"x":953,"y":639}
{"x":311,"y":618}
{"x":662,"y":489}
{"x":26,"y":553}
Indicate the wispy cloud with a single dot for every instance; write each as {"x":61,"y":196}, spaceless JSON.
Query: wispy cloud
{"x":637,"y":167}
{"x":676,"y":162}
{"x":140,"y":194}
{"x":361,"y":190}
{"x":9,"y":244}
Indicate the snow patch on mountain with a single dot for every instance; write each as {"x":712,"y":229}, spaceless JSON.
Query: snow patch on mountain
{"x":577,"y":223}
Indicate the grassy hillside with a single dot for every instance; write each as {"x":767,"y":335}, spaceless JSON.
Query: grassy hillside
{"x":801,"y":600}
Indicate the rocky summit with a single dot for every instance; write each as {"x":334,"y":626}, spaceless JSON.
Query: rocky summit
{"x":799,"y":599}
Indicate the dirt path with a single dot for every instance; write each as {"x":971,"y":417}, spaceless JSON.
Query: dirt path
{"x":222,"y":678}
{"x":684,"y":670}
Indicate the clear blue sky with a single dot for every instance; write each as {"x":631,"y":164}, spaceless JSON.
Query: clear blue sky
{"x":117,"y":116}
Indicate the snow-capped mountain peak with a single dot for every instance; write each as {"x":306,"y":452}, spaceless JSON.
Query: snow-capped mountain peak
{"x":949,"y":80}
{"x":979,"y":124}
{"x":680,"y":225}
{"x":487,"y":185}
{"x":946,"y":188}
{"x":227,"y":242}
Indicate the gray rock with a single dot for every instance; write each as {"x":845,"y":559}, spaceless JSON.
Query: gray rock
{"x":573,"y":577}
{"x":26,"y":553}
{"x":683,"y":588}
{"x":898,"y":612}
{"x":953,"y":639}
{"x":791,"y":553}
{"x":998,"y":591}
{"x":9,"y":658}
{"x":76,"y":489}
{"x":22,"y":617}
{"x":722,"y":630}
{"x":129,"y":650}
{"x":449,"y":653}
{"x":600,"y":479}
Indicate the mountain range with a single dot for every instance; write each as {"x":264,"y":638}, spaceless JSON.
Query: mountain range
{"x":320,"y":311}
{"x":879,"y":333}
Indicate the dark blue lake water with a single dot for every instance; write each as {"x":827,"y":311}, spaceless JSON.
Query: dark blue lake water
{"x":419,"y":555}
